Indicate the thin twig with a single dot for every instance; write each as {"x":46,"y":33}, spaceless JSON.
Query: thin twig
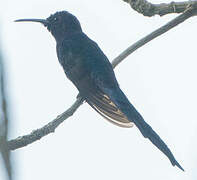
{"x":149,"y":9}
{"x":50,"y":127}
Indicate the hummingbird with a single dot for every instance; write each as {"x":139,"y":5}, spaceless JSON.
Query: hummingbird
{"x":89,"y":69}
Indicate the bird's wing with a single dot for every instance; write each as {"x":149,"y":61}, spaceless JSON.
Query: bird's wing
{"x":101,"y":103}
{"x":84,"y":63}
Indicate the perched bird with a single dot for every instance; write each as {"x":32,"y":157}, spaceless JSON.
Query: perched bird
{"x":89,"y":69}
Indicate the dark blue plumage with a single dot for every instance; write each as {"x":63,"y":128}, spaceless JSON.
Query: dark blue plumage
{"x":89,"y":69}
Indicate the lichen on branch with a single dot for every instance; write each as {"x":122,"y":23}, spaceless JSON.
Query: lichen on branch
{"x":149,"y":9}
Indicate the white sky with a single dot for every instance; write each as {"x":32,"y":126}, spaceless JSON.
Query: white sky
{"x":159,"y":79}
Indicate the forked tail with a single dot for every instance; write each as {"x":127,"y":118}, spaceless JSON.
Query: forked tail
{"x":121,"y":101}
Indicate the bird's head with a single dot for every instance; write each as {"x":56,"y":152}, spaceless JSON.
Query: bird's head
{"x":59,"y":24}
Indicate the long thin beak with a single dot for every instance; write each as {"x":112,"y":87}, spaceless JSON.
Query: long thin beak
{"x":43,"y":21}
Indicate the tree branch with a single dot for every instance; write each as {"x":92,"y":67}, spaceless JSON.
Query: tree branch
{"x":50,"y":127}
{"x":37,"y":134}
{"x":148,"y":9}
{"x":4,"y":151}
{"x":192,"y":11}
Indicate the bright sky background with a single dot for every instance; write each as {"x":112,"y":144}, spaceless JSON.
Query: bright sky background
{"x":159,"y":79}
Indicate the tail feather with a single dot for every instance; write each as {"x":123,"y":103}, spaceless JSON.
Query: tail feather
{"x":121,"y":101}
